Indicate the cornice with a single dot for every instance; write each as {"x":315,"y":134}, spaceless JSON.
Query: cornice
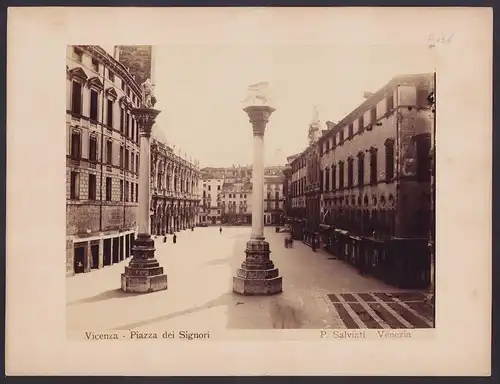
{"x":110,"y":62}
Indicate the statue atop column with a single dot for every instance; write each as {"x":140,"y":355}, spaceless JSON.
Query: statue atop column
{"x":148,"y":94}
{"x":258,"y":94}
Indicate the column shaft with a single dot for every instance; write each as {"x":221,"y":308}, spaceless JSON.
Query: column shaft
{"x":258,"y":188}
{"x":144,"y":183}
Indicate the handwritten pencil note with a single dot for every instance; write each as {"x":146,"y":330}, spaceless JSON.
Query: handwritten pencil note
{"x":436,"y":39}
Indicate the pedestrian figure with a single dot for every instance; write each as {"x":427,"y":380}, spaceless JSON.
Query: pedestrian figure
{"x":192,"y":229}
{"x":165,"y":238}
{"x":220,"y":230}
{"x":174,"y":238}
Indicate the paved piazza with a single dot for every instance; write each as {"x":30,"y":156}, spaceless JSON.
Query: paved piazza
{"x":318,"y":291}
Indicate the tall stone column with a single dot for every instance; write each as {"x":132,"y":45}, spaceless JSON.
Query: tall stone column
{"x":257,"y":275}
{"x":144,"y":273}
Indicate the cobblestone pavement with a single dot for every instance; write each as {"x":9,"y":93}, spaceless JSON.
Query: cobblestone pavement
{"x":200,"y":268}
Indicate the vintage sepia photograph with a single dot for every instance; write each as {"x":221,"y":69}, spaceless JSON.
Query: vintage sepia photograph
{"x":222,"y":187}
{"x":249,"y":191}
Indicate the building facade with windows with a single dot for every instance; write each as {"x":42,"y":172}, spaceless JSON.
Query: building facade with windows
{"x":102,"y":154}
{"x":210,"y":210}
{"x":214,"y":180}
{"x":305,"y":191}
{"x":274,"y":199}
{"x":375,"y":183}
{"x":174,"y":188}
{"x":235,"y":202}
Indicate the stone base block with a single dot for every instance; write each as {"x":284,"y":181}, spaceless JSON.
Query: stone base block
{"x":249,"y":287}
{"x":144,"y":284}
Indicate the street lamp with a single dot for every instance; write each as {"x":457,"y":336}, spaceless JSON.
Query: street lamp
{"x":257,"y":275}
{"x":144,"y":273}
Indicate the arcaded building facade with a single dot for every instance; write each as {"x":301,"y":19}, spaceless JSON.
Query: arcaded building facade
{"x":102,"y":157}
{"x":174,"y":189}
{"x":375,"y":183}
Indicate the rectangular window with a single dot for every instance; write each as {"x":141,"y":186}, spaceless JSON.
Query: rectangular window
{"x":132,"y":192}
{"x":76,"y":145}
{"x":334,"y":177}
{"x":95,"y":65}
{"x":423,"y":147}
{"x":77,"y":54}
{"x":341,"y":175}
{"x":121,"y":190}
{"x":74,"y":186}
{"x":341,"y":136}
{"x":111,"y":75}
{"x":351,"y":130}
{"x":109,"y":152}
{"x":121,"y":157}
{"x":122,"y":84}
{"x":93,"y":105}
{"x":76,"y":98}
{"x":422,"y":95}
{"x":127,"y":124}
{"x":361,"y":169}
{"x":350,"y":172}
{"x":373,"y":115}
{"x":209,"y":187}
{"x":132,"y":159}
{"x":126,"y":190}
{"x":136,"y":163}
{"x":373,"y":166}
{"x":108,"y":188}
{"x":127,"y":160}
{"x":122,"y":120}
{"x":390,"y":102}
{"x":277,"y":195}
{"x":136,"y":193}
{"x":92,"y":187}
{"x":389,"y":160}
{"x":109,"y":120}
{"x":93,"y":149}
{"x":361,"y":124}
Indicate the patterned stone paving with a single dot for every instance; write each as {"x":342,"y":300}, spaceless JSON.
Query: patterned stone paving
{"x":378,"y":310}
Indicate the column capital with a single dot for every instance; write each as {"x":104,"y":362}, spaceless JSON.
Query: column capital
{"x":259,"y":116}
{"x":146,"y":118}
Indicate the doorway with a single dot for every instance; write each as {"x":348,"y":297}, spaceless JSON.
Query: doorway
{"x":79,"y":258}
{"x":122,"y":249}
{"x":94,"y":251}
{"x":107,"y":252}
{"x":127,"y":246}
{"x":116,"y":250}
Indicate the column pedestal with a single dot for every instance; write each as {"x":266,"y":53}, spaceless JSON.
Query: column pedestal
{"x":257,"y":275}
{"x":144,"y":273}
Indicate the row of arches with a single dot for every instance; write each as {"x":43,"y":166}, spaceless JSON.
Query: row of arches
{"x":170,"y":216}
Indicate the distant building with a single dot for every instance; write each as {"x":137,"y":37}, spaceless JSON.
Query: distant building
{"x":220,"y":183}
{"x":174,"y":188}
{"x":306,"y":187}
{"x":235,"y":202}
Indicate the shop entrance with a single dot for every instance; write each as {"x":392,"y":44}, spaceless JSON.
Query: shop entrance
{"x":94,"y":250}
{"x":127,"y":246}
{"x":107,"y":252}
{"x":116,"y":249}
{"x":122,"y":249}
{"x":79,"y":258}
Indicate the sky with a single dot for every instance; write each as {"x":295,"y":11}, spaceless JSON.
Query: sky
{"x":200,"y":89}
